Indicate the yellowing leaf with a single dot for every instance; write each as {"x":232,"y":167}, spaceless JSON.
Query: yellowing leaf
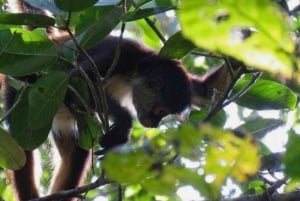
{"x":229,"y":156}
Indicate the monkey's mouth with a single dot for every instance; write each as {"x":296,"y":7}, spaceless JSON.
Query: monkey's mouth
{"x":149,"y":123}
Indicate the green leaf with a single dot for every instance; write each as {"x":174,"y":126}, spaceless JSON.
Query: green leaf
{"x":219,"y":26}
{"x":99,"y":30}
{"x":11,"y":154}
{"x":25,"y":52}
{"x":74,"y":5}
{"x":218,"y":119}
{"x":166,"y":2}
{"x":137,"y":164}
{"x":291,"y":158}
{"x":259,"y":127}
{"x":176,"y":47}
{"x":26,"y":19}
{"x":265,"y":94}
{"x":45,"y":98}
{"x":189,"y":140}
{"x":142,"y":13}
{"x":89,"y":131}
{"x":27,"y":137}
{"x":258,"y":186}
{"x":89,"y":17}
{"x":229,"y":155}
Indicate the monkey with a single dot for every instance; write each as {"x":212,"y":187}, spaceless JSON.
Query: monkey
{"x":157,"y":87}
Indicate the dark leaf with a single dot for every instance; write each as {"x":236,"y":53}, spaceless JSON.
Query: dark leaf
{"x":45,"y":98}
{"x":27,"y":137}
{"x":140,"y":14}
{"x":27,"y":19}
{"x":97,"y":31}
{"x":74,"y":5}
{"x":176,"y":47}
{"x":89,"y":131}
{"x":89,"y":17}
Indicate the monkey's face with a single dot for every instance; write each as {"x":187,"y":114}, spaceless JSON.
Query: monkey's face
{"x":152,"y":102}
{"x":163,"y":88}
{"x":147,"y":102}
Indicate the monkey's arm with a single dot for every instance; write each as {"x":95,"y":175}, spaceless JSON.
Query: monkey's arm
{"x":119,"y":131}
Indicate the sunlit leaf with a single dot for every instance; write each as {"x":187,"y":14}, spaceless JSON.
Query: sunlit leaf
{"x":11,"y":154}
{"x":229,"y":155}
{"x":258,"y":186}
{"x":189,"y":140}
{"x":220,"y":26}
{"x":24,"y":52}
{"x":266,"y":94}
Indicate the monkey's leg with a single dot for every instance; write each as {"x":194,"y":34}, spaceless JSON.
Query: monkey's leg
{"x":74,"y":161}
{"x":24,"y":179}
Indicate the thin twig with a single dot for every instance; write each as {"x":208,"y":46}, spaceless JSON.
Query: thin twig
{"x":155,"y":29}
{"x":120,"y":192}
{"x":270,"y":191}
{"x":153,"y":26}
{"x":117,"y":54}
{"x":255,"y":76}
{"x":86,"y":107}
{"x":218,"y":105}
{"x":99,"y":104}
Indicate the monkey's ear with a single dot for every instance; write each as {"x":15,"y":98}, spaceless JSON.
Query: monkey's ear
{"x":212,"y":85}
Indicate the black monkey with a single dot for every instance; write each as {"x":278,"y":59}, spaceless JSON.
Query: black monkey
{"x":157,"y":86}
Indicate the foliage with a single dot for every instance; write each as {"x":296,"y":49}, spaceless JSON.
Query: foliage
{"x":206,"y":152}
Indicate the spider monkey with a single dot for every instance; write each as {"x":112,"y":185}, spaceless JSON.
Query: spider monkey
{"x":157,"y":86}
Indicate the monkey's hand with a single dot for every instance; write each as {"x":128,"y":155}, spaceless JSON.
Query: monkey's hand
{"x":116,"y":135}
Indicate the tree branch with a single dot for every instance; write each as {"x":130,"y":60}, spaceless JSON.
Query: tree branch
{"x":74,"y":192}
